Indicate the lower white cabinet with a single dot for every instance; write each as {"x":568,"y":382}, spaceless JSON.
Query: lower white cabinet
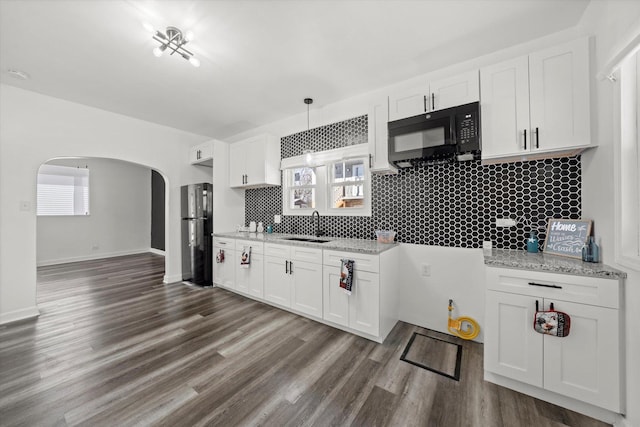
{"x":361,"y":309}
{"x":293,"y":278}
{"x":250,"y":280}
{"x":224,"y":272}
{"x":585,"y":365}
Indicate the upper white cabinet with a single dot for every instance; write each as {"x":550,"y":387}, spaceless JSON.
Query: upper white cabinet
{"x":255,"y":162}
{"x":435,"y":95}
{"x":537,"y":104}
{"x":379,"y":137}
{"x":202,"y":154}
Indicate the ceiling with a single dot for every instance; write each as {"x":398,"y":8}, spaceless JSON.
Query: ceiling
{"x":260,"y":58}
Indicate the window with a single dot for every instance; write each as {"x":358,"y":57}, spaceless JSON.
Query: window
{"x":337,"y":183}
{"x":62,"y":190}
{"x":628,"y":162}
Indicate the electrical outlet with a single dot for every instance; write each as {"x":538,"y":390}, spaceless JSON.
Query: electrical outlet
{"x":425,"y":270}
{"x":505,"y":222}
{"x":277,"y":219}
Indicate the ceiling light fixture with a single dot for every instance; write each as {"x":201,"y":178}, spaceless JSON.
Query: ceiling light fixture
{"x":174,"y":40}
{"x":308,"y":152}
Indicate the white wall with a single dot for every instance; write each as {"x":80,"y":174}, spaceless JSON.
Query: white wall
{"x":35,"y":128}
{"x":120,"y":215}
{"x":614,"y":24}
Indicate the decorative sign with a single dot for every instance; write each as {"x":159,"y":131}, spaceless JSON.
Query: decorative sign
{"x":567,"y":236}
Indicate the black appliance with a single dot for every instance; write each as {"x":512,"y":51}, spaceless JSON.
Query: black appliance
{"x":197,"y":226}
{"x":444,"y":135}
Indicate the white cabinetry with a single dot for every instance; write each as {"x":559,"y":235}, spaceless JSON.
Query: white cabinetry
{"x":537,"y":105}
{"x":202,"y":154}
{"x":360,"y":310}
{"x":293,"y":278}
{"x":224,"y":272}
{"x":255,"y":162}
{"x":585,"y":365}
{"x":379,"y":137}
{"x":436,"y":95}
{"x":250,"y":280}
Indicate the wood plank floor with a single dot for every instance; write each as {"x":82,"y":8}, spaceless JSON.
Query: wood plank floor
{"x":115,"y":347}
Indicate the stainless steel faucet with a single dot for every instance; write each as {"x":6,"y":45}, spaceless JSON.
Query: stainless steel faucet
{"x":315,"y":215}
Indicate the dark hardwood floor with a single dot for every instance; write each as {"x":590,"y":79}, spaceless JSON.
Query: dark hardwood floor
{"x":113,"y":346}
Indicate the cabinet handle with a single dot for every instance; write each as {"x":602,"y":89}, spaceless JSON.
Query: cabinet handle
{"x":290,"y":267}
{"x":425,"y":103}
{"x":286,"y":267}
{"x":433,"y":101}
{"x":246,"y":179}
{"x":537,"y":138}
{"x":525,"y":139}
{"x":544,"y":285}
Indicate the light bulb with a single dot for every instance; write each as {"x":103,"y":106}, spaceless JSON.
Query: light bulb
{"x":194,"y":61}
{"x":158,"y":51}
{"x":308,"y":158}
{"x":148,"y":27}
{"x":188,"y":36}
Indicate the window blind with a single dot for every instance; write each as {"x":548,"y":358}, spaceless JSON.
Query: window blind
{"x":62,"y":190}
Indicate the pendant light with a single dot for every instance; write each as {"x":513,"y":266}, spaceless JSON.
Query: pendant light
{"x":308,"y":152}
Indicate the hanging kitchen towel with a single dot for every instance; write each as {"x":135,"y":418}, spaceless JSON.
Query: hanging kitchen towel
{"x":346,"y":275}
{"x":552,"y":322}
{"x":220,"y":256}
{"x":245,"y":257}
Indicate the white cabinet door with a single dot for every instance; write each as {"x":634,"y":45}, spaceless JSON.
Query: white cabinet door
{"x":306,"y":287}
{"x":364,"y":303}
{"x":408,"y":102}
{"x":277,"y":280}
{"x":242,"y":276}
{"x":457,"y":90}
{"x":224,"y":272}
{"x":256,"y":276}
{"x":237,"y":164}
{"x":335,"y":300}
{"x":511,"y":347}
{"x":202,"y":154}
{"x":505,"y":108}
{"x":559,"y":96}
{"x":585,"y":365}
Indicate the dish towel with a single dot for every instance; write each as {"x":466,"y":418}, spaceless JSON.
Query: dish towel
{"x":346,"y":275}
{"x":220,"y":256}
{"x":552,"y":322}
{"x":245,"y":257}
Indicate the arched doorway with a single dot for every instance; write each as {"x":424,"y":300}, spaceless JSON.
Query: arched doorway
{"x":117,"y":214}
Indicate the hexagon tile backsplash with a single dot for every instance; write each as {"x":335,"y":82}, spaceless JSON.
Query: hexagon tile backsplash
{"x":453,"y":204}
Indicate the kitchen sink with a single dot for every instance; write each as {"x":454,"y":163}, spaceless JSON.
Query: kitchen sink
{"x":305,"y":239}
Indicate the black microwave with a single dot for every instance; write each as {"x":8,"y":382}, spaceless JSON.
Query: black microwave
{"x":444,"y":135}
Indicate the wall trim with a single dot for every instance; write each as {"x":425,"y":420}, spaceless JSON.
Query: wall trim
{"x":157,"y":251}
{"x":172,"y":279}
{"x":22,"y":314}
{"x":92,"y":257}
{"x":621,"y":421}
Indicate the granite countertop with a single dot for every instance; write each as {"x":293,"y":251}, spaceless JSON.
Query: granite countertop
{"x":333,"y":243}
{"x":511,"y":258}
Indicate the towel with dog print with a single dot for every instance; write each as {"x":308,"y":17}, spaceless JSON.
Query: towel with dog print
{"x":346,"y":275}
{"x":552,"y":322}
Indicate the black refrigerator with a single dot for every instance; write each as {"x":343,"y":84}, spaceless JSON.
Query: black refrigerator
{"x":197,"y":226}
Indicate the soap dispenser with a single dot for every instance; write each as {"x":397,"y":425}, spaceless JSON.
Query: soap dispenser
{"x":532,"y":242}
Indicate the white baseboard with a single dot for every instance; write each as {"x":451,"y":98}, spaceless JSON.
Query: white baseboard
{"x":172,"y":279}
{"x":622,"y":422}
{"x":156,"y":251}
{"x":14,"y":316}
{"x":91,"y":257}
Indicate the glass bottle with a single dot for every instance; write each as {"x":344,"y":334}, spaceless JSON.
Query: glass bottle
{"x":532,"y":243}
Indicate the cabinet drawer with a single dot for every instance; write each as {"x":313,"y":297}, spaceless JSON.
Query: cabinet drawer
{"x":276,"y":250}
{"x":224,"y":242}
{"x":256,"y":247}
{"x":580,"y":289}
{"x":302,"y":253}
{"x":363,"y":262}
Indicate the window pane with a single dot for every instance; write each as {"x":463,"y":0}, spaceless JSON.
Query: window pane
{"x":348,"y":196}
{"x":62,"y":190}
{"x":303,"y":176}
{"x":302,"y":198}
{"x":352,"y":170}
